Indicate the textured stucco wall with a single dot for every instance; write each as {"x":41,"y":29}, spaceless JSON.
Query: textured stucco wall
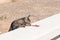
{"x":5,"y":1}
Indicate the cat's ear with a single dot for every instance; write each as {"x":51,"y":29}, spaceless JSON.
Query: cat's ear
{"x":29,"y":15}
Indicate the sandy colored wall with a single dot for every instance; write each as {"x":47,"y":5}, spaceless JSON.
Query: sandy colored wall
{"x":5,"y":1}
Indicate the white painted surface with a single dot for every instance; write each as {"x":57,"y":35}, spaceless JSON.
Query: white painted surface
{"x":49,"y":28}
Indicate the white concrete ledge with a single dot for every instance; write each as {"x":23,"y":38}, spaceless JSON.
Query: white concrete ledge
{"x":47,"y":26}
